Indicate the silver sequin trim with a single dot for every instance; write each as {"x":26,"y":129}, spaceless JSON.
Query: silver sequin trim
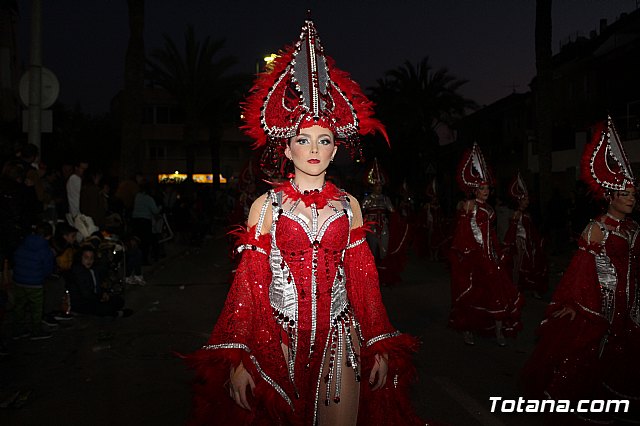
{"x":271,"y":381}
{"x":226,"y":346}
{"x":244,"y":247}
{"x":263,"y":212}
{"x":477,"y":232}
{"x":356,"y":243}
{"x":382,"y":337}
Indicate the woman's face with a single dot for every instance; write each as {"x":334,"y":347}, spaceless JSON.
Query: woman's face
{"x":623,"y":202}
{"x":312,"y":150}
{"x":482,"y":192}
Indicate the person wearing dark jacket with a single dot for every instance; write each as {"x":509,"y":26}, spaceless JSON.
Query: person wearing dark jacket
{"x":33,"y":261}
{"x":88,"y":296}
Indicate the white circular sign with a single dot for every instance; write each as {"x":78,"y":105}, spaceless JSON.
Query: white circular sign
{"x":50,"y":88}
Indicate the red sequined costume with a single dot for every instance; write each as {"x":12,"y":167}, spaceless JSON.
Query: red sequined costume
{"x":595,"y":355}
{"x":524,"y":244}
{"x":314,"y":288}
{"x":574,"y":356}
{"x":526,"y":247}
{"x":481,"y":289}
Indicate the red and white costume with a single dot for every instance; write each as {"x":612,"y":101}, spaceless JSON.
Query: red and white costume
{"x":482,"y":291}
{"x":595,"y":355}
{"x":526,"y":246}
{"x":306,"y":288}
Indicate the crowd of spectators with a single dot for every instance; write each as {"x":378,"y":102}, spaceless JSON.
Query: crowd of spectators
{"x":72,"y":240}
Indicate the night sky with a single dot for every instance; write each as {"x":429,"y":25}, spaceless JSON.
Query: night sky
{"x":488,"y":42}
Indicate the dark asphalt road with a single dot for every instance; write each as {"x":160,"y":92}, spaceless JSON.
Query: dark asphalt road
{"x":123,"y":372}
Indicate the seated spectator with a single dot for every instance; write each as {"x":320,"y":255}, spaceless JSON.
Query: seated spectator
{"x":33,"y":261}
{"x":87,"y":290}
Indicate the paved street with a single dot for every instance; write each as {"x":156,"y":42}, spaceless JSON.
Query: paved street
{"x":123,"y":371}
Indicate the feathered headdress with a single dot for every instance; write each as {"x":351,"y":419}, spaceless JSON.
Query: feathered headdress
{"x":473,"y":170}
{"x":375,"y":175}
{"x":605,"y":166}
{"x":305,"y":88}
{"x":517,"y":187}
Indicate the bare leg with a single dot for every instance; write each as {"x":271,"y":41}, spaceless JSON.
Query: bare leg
{"x":345,"y":413}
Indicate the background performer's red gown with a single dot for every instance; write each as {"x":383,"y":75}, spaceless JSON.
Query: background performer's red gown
{"x":251,"y":330}
{"x":526,"y":248}
{"x":482,"y":291}
{"x":595,"y":355}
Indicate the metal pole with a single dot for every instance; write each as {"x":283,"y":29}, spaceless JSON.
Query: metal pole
{"x":35,"y":74}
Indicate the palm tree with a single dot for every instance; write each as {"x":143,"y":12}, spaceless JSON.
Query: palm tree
{"x":199,"y":82}
{"x":544,"y":99}
{"x":412,"y":100}
{"x":132,"y":95}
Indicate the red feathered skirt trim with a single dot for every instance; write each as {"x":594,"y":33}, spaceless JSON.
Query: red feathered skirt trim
{"x":212,"y":403}
{"x":392,"y":402}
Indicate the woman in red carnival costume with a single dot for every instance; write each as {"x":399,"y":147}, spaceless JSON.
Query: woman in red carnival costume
{"x":530,"y":271}
{"x":588,"y":347}
{"x":483,"y":297}
{"x":303,"y":321}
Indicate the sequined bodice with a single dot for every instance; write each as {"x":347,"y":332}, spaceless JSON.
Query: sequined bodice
{"x":301,"y":252}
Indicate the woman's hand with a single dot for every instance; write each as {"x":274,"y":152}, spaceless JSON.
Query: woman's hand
{"x":564,"y":312}
{"x":239,"y":378}
{"x":380,"y":369}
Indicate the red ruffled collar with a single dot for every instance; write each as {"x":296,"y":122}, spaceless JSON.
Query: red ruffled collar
{"x":319,"y":197}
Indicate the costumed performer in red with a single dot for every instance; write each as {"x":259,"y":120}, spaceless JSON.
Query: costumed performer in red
{"x":526,"y":245}
{"x":483,"y":296}
{"x":304,"y":321}
{"x":590,"y":320}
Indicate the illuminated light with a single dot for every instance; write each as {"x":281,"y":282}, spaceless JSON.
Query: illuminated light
{"x":171,"y":177}
{"x":178,"y":177}
{"x":268,"y":62}
{"x":272,"y":57}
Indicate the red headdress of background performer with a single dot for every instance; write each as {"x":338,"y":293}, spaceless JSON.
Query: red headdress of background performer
{"x":517,"y":187}
{"x":305,"y":88}
{"x":473,"y":170}
{"x":375,"y":175}
{"x":605,"y":166}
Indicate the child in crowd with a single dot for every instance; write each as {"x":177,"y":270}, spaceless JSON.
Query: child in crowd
{"x":33,"y":262}
{"x":88,"y":294}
